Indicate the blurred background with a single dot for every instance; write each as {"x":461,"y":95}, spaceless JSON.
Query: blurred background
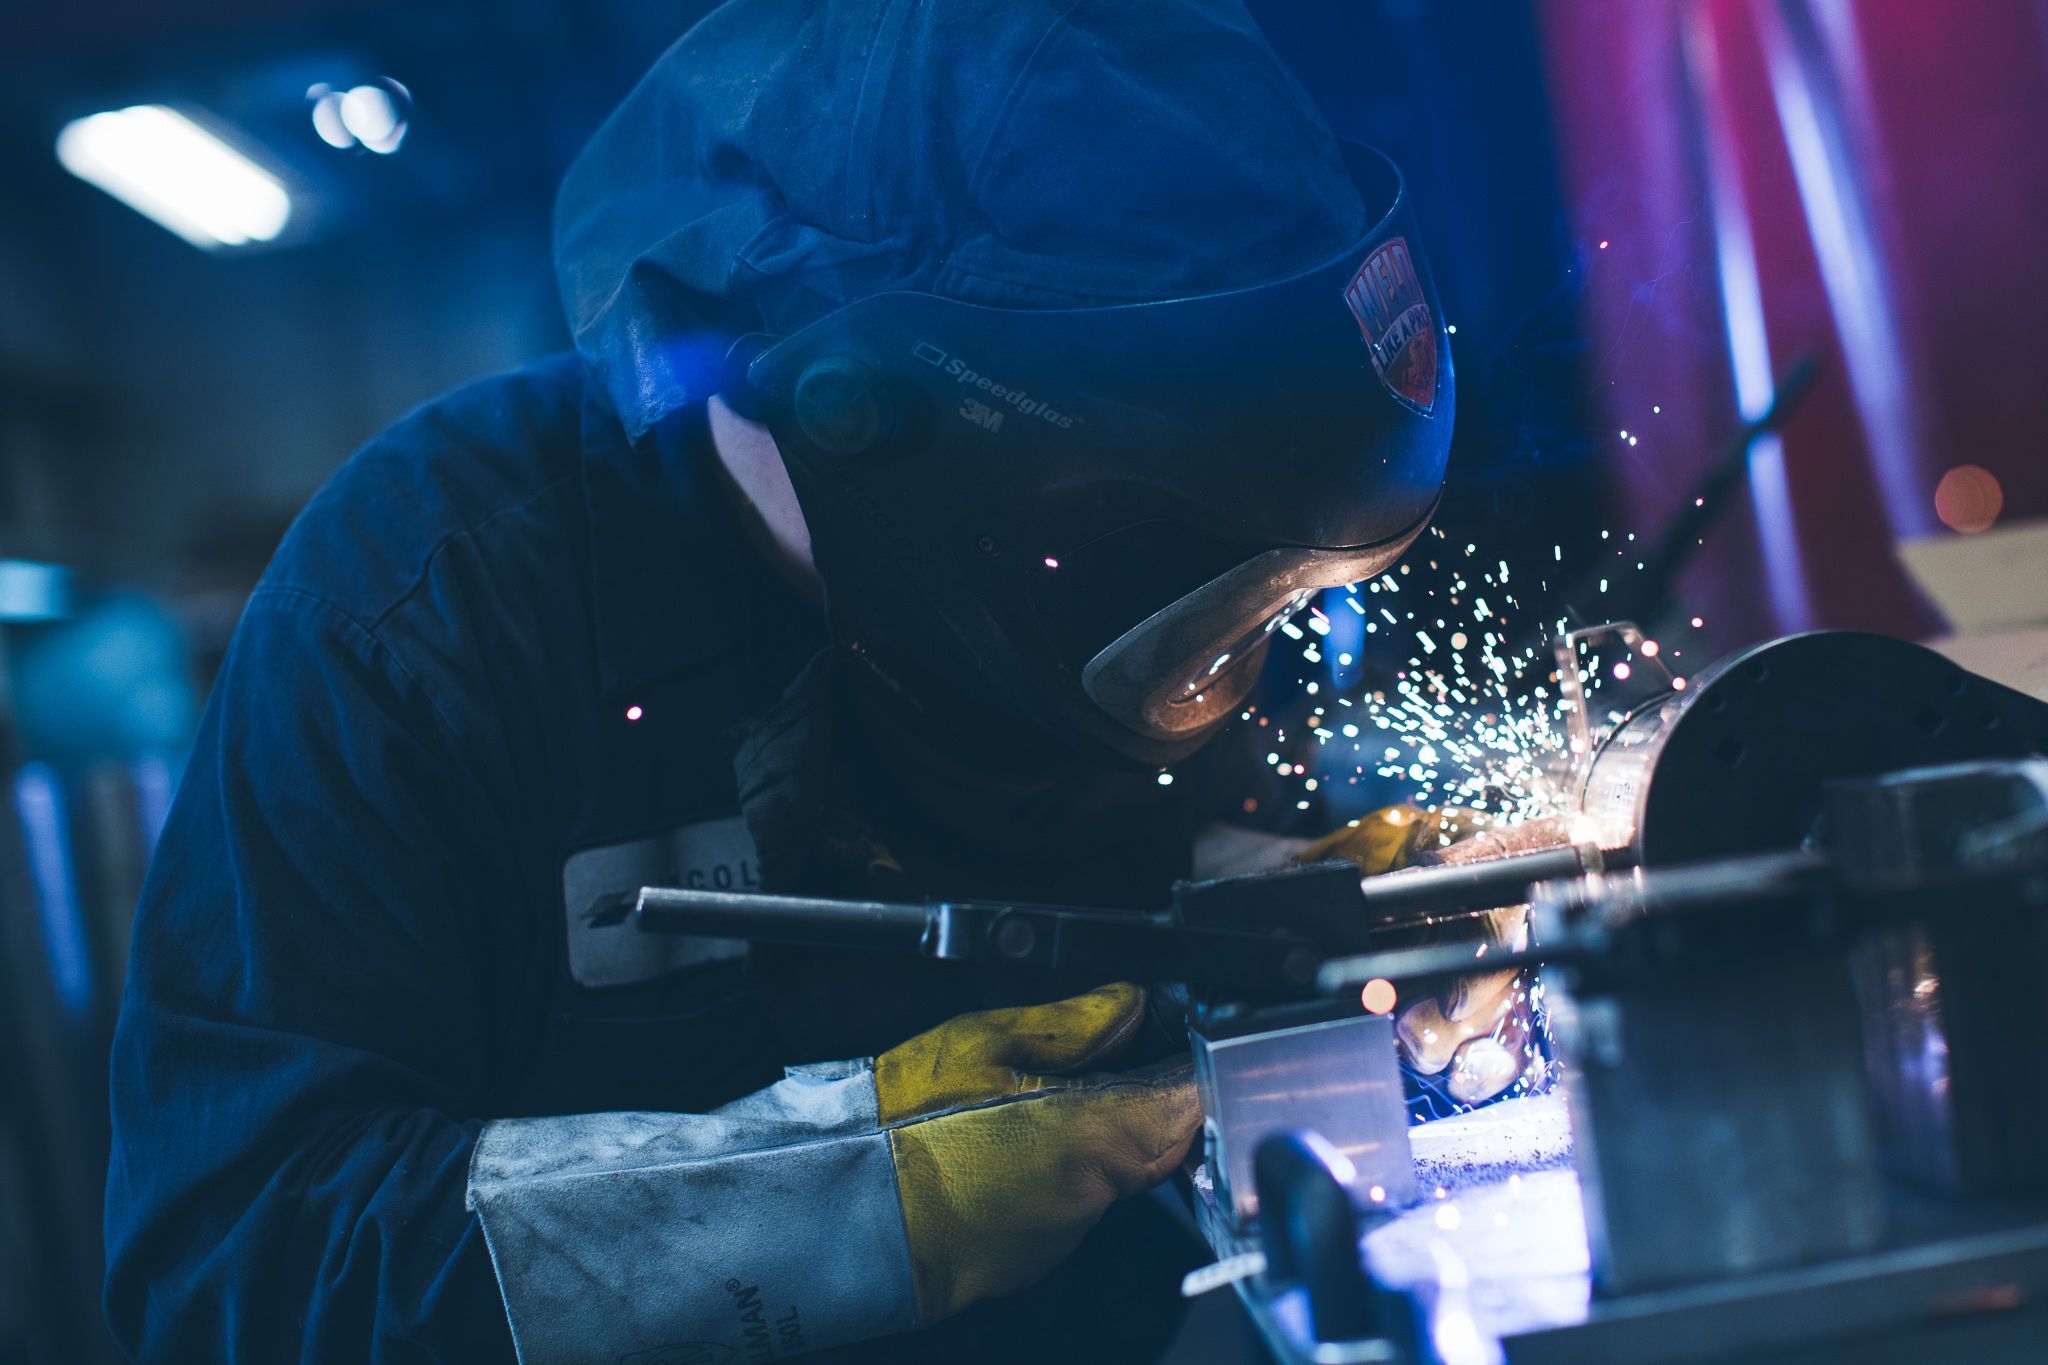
{"x":238,"y":238}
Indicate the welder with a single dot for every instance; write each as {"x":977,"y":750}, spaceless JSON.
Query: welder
{"x":962,"y":396}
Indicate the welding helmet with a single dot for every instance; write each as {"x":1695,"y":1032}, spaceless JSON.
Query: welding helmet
{"x":1097,"y":518}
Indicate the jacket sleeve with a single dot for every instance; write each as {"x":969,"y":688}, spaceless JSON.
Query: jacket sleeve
{"x":304,"y":1023}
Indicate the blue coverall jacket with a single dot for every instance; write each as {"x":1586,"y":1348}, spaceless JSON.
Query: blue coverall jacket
{"x":499,"y":666}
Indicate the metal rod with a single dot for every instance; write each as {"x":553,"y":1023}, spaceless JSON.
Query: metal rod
{"x":1450,"y":888}
{"x":780,"y":919}
{"x":1436,"y":962}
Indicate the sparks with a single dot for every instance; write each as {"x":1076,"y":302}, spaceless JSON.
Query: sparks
{"x":1471,"y":722}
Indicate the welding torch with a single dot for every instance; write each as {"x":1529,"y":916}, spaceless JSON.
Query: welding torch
{"x":1267,"y":933}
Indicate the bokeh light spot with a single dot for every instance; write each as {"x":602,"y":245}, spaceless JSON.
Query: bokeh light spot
{"x":1968,"y":499}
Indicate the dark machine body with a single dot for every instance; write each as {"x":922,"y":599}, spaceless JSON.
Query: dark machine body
{"x":1792,"y":931}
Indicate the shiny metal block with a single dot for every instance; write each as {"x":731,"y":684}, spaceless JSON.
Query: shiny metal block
{"x":1340,"y":1078}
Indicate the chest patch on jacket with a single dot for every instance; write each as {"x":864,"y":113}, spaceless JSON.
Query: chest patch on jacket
{"x":718,"y":854}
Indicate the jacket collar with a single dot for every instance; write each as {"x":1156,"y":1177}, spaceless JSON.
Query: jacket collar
{"x":672,"y":577}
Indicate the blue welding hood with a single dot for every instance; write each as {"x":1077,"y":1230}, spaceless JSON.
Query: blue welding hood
{"x":1095,"y":518}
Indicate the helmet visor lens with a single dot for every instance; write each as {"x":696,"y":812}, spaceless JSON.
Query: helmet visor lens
{"x":1184,"y":667}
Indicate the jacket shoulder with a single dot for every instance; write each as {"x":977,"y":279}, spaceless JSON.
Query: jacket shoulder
{"x":369,"y":537}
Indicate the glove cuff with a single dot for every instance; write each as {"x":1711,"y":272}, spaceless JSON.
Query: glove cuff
{"x":769,"y":1227}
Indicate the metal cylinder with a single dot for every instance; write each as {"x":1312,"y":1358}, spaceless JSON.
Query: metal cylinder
{"x":1739,"y":761}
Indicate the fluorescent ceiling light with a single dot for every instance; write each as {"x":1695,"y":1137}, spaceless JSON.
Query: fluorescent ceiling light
{"x":168,"y":168}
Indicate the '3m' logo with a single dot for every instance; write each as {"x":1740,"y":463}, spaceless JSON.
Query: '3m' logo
{"x":981,"y":414}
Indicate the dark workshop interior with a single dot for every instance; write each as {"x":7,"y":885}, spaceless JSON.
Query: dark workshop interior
{"x":1485,"y":560}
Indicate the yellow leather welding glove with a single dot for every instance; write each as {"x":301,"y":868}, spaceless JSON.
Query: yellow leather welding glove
{"x":1386,"y":840}
{"x":848,"y":1200}
{"x":1479,"y":1032}
{"x":1004,"y":1158}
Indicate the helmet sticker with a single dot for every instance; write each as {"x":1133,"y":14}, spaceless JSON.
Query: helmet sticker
{"x":1393,"y":317}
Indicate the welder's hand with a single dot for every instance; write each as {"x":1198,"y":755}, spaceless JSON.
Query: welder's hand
{"x":1005,"y":1158}
{"x":1386,"y":840}
{"x":1478,"y":1034}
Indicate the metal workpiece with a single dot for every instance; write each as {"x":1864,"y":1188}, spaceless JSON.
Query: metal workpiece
{"x":1707,"y":1029}
{"x":1956,"y":1060}
{"x":1739,"y":761}
{"x":1721,"y":1121}
{"x":1339,"y":1077}
{"x":1951,"y":994}
{"x":1905,"y":1041}
{"x":1923,"y":826}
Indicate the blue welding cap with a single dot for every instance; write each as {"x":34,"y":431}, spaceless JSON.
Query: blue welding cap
{"x":1092,"y":354}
